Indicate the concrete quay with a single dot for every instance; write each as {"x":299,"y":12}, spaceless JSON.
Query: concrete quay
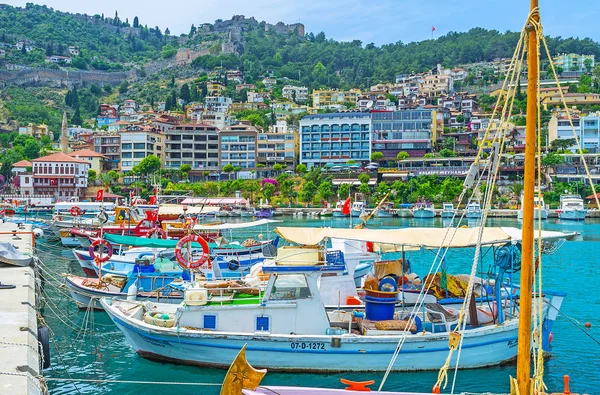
{"x":19,"y":357}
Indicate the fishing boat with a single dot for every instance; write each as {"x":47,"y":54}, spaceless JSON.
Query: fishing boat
{"x":142,"y":284}
{"x":423,"y":209}
{"x":540,"y":208}
{"x":448,"y":210}
{"x":264,"y":211}
{"x":405,"y":210}
{"x":473,"y":210}
{"x":358,"y":208}
{"x":386,"y":210}
{"x":571,"y":208}
{"x":338,"y":211}
{"x":279,"y":335}
{"x":326,"y":213}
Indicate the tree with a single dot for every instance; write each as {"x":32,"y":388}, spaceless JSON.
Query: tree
{"x":76,"y":120}
{"x":375,"y":156}
{"x":364,"y":178}
{"x":136,"y":22}
{"x":309,"y":191}
{"x":402,"y":155}
{"x":167,"y":32}
{"x":185,"y":168}
{"x":185,"y":93}
{"x":588,"y":64}
{"x":560,"y":145}
{"x":277,"y":167}
{"x":268,"y":190}
{"x":365,"y":189}
{"x":460,"y":118}
{"x":344,"y":191}
{"x":447,"y":153}
{"x":552,"y":159}
{"x":192,"y":30}
{"x":123,"y":87}
{"x":301,"y":169}
{"x":228,"y":168}
{"x":148,"y":165}
{"x":32,"y":148}
{"x":91,"y":176}
{"x":325,"y":191}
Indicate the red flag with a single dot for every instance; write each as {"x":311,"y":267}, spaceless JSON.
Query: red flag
{"x":152,"y":199}
{"x":100,"y":195}
{"x":131,"y":195}
{"x":53,"y":181}
{"x":346,"y":207}
{"x":432,"y":29}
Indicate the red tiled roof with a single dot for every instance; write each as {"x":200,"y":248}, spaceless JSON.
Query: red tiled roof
{"x":22,"y":163}
{"x":59,"y":157}
{"x":86,"y":152}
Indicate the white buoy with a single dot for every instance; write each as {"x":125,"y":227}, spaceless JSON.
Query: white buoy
{"x":132,"y":292}
{"x":38,"y":233}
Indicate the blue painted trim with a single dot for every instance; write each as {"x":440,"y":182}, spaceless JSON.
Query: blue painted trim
{"x":178,"y":340}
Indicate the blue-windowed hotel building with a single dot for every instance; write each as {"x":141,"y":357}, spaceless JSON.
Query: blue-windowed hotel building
{"x":335,"y":138}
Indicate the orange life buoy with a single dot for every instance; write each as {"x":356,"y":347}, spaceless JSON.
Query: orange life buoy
{"x":75,"y":211}
{"x":102,"y":244}
{"x":156,"y":231}
{"x":204,"y":258}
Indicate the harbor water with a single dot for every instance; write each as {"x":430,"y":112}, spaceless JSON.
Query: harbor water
{"x":89,"y":346}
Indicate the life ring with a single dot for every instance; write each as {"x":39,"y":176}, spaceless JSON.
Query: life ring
{"x":233,"y":265}
{"x":159,"y":318}
{"x":156,"y":231}
{"x":204,"y":258}
{"x":76,"y":211}
{"x":104,"y":244}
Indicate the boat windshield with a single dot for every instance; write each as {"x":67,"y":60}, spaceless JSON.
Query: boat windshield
{"x":290,"y":287}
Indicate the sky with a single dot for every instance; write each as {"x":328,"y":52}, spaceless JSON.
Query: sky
{"x":380,"y":21}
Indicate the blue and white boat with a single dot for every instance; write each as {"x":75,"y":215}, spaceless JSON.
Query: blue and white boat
{"x":448,"y":210}
{"x":572,"y":208}
{"x":358,"y":208}
{"x":473,"y":210}
{"x":385,"y":210}
{"x":291,"y":329}
{"x":423,"y":210}
{"x":338,"y":210}
{"x":540,"y":210}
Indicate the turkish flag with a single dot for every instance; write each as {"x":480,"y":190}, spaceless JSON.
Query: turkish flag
{"x":346,"y":207}
{"x":131,"y":195}
{"x":152,"y":199}
{"x":100,"y":195}
{"x":53,"y":181}
{"x":432,"y":28}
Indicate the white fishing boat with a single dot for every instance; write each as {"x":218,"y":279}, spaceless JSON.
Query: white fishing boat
{"x":448,"y":210}
{"x":572,"y":208}
{"x":539,"y":206}
{"x":423,"y":210}
{"x":358,"y":208}
{"x":473,"y":210}
{"x":386,"y":210}
{"x":338,"y":210}
{"x":292,"y":330}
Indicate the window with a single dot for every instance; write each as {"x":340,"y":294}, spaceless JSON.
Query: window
{"x":139,"y":146}
{"x":126,"y":155}
{"x":289,"y":287}
{"x":126,"y":146}
{"x":262,"y":323}
{"x":139,"y":155}
{"x":210,"y":321}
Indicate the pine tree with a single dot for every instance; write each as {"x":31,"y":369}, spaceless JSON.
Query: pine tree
{"x":136,"y":22}
{"x":192,"y":30}
{"x":76,"y":120}
{"x":167,"y":32}
{"x":185,"y":93}
{"x":152,"y":102}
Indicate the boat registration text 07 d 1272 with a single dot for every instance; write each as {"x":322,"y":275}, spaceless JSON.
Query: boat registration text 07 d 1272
{"x":307,"y":346}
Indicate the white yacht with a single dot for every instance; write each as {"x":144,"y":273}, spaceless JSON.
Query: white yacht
{"x":572,"y":207}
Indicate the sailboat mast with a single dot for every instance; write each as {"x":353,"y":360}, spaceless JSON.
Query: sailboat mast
{"x":524,"y":342}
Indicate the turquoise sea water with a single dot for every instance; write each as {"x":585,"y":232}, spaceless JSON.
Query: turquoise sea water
{"x":90,"y":346}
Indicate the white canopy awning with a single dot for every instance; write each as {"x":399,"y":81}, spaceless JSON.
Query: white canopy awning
{"x":177,"y":209}
{"x":410,"y":238}
{"x":242,"y":225}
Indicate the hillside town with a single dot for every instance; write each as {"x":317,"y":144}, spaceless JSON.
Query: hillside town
{"x":421,"y":124}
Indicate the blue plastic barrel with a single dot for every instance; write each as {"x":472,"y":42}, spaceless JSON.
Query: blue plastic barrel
{"x":379,"y":309}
